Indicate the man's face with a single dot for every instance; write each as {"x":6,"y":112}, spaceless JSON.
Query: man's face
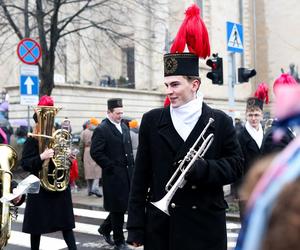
{"x":116,"y":115}
{"x":254,"y":117}
{"x":179,"y":90}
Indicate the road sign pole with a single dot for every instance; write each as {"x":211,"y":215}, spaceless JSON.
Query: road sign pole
{"x":231,"y":83}
{"x":28,"y":119}
{"x":234,"y":45}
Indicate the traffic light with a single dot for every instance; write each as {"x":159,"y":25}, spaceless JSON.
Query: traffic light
{"x":244,"y":74}
{"x":216,"y":73}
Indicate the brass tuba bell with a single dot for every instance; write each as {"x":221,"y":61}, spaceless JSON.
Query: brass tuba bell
{"x":54,"y":176}
{"x":8,"y":161}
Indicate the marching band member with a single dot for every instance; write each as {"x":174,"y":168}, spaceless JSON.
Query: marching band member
{"x":270,"y":144}
{"x":47,"y":211}
{"x":197,"y":211}
{"x":251,"y":136}
{"x":111,"y":149}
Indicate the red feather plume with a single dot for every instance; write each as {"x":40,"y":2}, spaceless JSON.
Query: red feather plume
{"x":262,"y":92}
{"x":167,"y":102}
{"x":192,"y":33}
{"x":283,"y":80}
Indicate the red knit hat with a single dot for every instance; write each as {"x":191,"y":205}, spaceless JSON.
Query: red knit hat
{"x":46,"y":100}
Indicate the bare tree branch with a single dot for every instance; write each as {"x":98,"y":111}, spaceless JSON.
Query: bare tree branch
{"x":40,"y":26}
{"x":50,"y":21}
{"x":11,"y":22}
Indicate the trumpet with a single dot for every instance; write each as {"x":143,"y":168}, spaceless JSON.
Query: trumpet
{"x":178,"y":178}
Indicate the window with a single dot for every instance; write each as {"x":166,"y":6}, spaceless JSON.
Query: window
{"x":128,"y":78}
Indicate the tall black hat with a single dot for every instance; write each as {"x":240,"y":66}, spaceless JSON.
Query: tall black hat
{"x":114,"y":103}
{"x":254,"y":102}
{"x":192,"y":33}
{"x":260,"y":96}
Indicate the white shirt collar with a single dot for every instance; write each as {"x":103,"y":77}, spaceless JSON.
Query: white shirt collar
{"x":118,"y":125}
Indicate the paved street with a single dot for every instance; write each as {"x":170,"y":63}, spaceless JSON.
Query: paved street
{"x":88,"y":215}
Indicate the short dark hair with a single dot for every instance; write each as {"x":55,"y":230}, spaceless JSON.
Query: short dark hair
{"x":192,"y":78}
{"x":253,"y":109}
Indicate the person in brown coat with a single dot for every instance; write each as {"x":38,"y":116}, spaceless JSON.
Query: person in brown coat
{"x":92,"y":171}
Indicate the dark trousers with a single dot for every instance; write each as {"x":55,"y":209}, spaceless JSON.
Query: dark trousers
{"x":68,"y":237}
{"x":114,"y":222}
{"x":242,"y":206}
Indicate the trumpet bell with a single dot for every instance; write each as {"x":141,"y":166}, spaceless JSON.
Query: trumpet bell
{"x":162,"y":205}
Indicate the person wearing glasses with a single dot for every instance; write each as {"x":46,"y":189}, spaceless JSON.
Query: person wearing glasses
{"x":251,"y":136}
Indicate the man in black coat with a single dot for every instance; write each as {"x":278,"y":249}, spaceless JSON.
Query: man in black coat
{"x":196,"y":217}
{"x":251,"y":135}
{"x":111,"y":149}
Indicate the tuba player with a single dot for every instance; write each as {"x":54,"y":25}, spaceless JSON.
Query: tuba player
{"x":47,"y":211}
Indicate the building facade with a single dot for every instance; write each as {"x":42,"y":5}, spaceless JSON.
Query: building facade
{"x":128,"y":52}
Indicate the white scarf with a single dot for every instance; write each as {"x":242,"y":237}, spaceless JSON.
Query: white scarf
{"x":118,"y":125}
{"x":257,"y":135}
{"x":185,"y":117}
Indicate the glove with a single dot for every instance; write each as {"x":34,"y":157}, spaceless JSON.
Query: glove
{"x":198,"y":172}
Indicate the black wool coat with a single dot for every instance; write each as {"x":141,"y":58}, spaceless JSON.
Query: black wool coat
{"x":197,"y":212}
{"x":46,"y":211}
{"x":250,"y":150}
{"x":270,"y":146}
{"x":112,"y":151}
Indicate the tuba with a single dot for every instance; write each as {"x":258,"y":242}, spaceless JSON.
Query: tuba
{"x":55,"y":176}
{"x":178,"y":178}
{"x":8,"y":161}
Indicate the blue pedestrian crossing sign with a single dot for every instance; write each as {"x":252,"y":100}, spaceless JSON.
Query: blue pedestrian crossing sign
{"x":235,"y":37}
{"x":29,"y":84}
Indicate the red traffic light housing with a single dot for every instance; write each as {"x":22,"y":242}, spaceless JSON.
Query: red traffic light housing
{"x":216,"y":73}
{"x":244,"y":74}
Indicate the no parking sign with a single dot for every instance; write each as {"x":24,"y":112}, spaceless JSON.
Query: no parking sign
{"x":29,"y":51}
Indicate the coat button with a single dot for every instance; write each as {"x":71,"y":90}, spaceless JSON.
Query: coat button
{"x":194,"y":207}
{"x":194,"y":187}
{"x":173,"y":205}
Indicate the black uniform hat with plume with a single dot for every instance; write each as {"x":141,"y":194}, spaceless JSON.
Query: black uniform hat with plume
{"x":194,"y":35}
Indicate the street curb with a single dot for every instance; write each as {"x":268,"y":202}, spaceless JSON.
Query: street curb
{"x":233,"y":217}
{"x":88,"y":207}
{"x":229,"y":216}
